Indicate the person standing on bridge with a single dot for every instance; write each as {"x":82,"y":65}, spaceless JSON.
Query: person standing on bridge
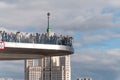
{"x":17,"y":36}
{"x":0,"y":36}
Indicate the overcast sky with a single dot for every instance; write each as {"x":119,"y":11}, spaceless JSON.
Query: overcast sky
{"x":94,"y":24}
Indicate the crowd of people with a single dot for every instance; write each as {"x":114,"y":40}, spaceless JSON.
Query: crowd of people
{"x":44,"y":38}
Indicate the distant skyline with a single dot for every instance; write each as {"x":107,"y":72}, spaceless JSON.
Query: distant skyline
{"x":94,"y":24}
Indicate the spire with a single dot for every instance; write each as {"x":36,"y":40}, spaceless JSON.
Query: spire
{"x":48,"y":28}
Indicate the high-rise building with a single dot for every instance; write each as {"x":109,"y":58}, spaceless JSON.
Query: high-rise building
{"x":59,"y":69}
{"x":2,"y":78}
{"x":6,"y":79}
{"x":49,"y":68}
{"x":84,"y":78}
{"x":32,"y":72}
{"x":65,"y":62}
{"x":9,"y":79}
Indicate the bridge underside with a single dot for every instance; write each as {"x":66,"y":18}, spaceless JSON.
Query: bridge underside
{"x":7,"y":56}
{"x":17,"y":51}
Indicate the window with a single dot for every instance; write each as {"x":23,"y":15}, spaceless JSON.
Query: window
{"x":89,"y":79}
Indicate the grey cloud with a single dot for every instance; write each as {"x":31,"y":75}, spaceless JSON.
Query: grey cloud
{"x":33,"y":13}
{"x":68,"y":17}
{"x":95,"y":38}
{"x":12,"y":69}
{"x":93,"y":56}
{"x":96,"y":63}
{"x":80,"y":70}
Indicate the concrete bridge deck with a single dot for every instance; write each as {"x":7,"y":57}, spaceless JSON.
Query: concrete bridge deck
{"x":16,"y":51}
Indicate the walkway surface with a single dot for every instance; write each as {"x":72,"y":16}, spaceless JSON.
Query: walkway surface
{"x":16,"y":51}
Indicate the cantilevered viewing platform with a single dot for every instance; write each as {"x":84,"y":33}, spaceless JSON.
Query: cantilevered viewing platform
{"x":16,"y":51}
{"x":23,"y":45}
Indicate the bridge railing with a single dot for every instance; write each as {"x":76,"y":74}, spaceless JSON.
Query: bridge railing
{"x":38,"y":38}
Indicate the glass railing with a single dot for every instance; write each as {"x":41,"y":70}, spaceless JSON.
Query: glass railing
{"x":35,"y":38}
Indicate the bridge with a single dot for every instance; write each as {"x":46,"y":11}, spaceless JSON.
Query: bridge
{"x":16,"y":46}
{"x":17,"y":51}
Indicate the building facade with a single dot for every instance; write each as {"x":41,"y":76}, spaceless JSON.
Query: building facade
{"x":84,"y":78}
{"x":2,"y":78}
{"x":6,"y":79}
{"x":65,"y":62}
{"x":48,"y":68}
{"x":32,"y":72}
{"x":9,"y":79}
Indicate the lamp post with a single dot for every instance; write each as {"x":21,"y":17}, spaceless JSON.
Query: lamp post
{"x":48,"y":31}
{"x":48,"y":28}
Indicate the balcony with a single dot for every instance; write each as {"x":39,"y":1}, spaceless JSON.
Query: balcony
{"x":20,"y":47}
